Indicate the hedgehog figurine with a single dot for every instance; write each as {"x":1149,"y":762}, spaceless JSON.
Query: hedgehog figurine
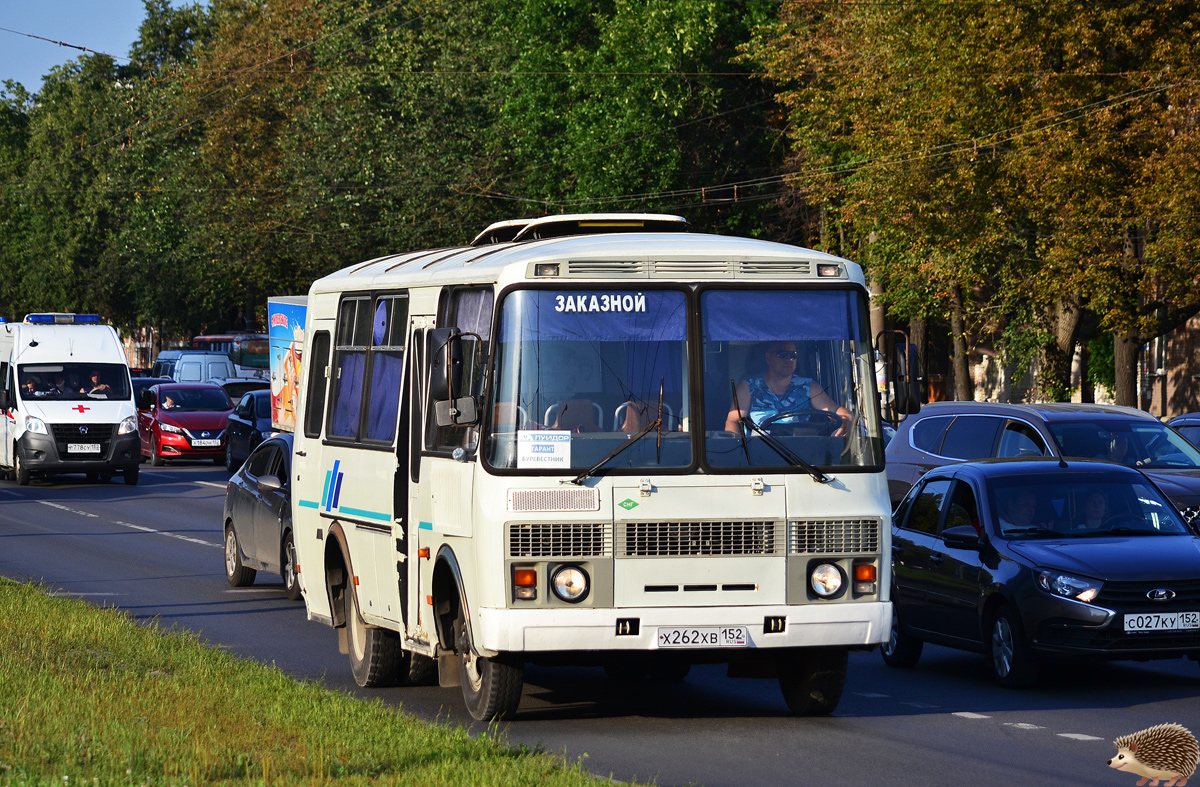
{"x":1168,"y":751}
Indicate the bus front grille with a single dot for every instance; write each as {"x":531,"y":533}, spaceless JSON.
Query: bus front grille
{"x":833,"y":536}
{"x":546,"y":539}
{"x":684,"y":539}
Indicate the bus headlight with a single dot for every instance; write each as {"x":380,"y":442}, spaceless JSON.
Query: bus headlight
{"x":826,"y":580}
{"x":570,"y":583}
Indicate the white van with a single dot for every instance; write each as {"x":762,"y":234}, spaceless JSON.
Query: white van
{"x":197,"y":366}
{"x":67,"y":399}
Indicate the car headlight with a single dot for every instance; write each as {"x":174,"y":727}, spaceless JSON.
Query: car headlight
{"x":35,"y":425}
{"x":826,"y":580}
{"x":1069,"y":585}
{"x":170,"y":428}
{"x":570,"y":583}
{"x":127,"y":426}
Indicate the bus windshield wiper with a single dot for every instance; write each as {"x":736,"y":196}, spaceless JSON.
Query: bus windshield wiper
{"x":774,"y":444}
{"x":638,"y":435}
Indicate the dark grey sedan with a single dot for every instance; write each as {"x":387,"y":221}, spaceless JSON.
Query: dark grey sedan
{"x":258,"y":517}
{"x":249,"y":424}
{"x":1023,"y":559}
{"x":945,"y":432}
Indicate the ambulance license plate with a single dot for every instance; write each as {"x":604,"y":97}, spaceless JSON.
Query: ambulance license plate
{"x":83,"y":448}
{"x":703,"y":637}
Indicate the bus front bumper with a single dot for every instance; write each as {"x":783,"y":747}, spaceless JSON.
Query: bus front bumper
{"x":858,"y":625}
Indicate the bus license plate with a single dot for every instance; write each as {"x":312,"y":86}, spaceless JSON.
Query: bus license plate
{"x":83,"y":448}
{"x":1162,"y":621}
{"x":205,"y":443}
{"x":703,"y":637}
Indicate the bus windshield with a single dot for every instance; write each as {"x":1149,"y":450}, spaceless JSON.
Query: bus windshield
{"x":580,"y":373}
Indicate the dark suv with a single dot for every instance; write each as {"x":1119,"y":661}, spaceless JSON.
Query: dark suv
{"x":945,"y":432}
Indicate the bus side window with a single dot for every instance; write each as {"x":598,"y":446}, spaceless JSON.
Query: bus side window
{"x":315,"y":399}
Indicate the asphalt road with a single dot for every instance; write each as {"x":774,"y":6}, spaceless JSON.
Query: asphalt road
{"x":155,"y":550}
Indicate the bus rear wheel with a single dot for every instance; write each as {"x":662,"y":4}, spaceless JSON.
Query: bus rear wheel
{"x":491,"y":688}
{"x":375,"y":655}
{"x":812,"y":679}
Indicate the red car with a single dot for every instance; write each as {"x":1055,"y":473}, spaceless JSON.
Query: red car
{"x":183,"y":421}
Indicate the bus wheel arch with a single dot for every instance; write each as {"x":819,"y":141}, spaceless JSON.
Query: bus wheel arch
{"x":337,"y":575}
{"x":449,"y":597}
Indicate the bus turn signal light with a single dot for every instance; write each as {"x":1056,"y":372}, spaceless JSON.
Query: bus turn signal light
{"x":865,"y":573}
{"x":525,"y":583}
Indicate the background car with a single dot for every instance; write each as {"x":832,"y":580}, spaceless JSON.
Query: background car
{"x":194,"y":366}
{"x":146,"y":383}
{"x":164,"y":363}
{"x":999,"y":557}
{"x":946,"y":432}
{"x":258,"y":517}
{"x":249,"y":425}
{"x":193,"y":428}
{"x":1187,"y":425}
{"x":237,"y":387}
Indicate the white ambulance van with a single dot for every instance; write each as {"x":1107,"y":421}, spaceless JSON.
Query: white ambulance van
{"x":66,"y":399}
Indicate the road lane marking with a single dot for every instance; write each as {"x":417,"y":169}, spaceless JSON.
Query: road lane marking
{"x":72,"y":594}
{"x":68,"y":510}
{"x":132,"y":526}
{"x":1020,"y":725}
{"x":1076,"y":736}
{"x":213,"y":483}
{"x":11,"y":492}
{"x":870,"y":696}
{"x":968,"y":715}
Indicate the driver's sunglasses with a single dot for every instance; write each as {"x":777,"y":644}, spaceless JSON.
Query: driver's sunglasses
{"x":786,"y":355}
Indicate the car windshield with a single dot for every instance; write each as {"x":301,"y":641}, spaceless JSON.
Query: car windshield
{"x":1080,"y":505}
{"x":1144,"y":444}
{"x":193,"y":400}
{"x":73,"y":381}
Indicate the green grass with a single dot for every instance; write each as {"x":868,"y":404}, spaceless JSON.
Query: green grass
{"x":89,"y":697}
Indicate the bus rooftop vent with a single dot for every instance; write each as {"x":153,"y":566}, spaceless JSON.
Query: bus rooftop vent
{"x":578,"y":224}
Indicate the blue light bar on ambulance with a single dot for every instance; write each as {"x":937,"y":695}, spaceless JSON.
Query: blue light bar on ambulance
{"x":62,"y":318}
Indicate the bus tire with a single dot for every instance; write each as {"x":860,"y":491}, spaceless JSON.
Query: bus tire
{"x":375,"y":655}
{"x":238,"y":575}
{"x":491,"y":688}
{"x":812,"y":679}
{"x":422,"y":670}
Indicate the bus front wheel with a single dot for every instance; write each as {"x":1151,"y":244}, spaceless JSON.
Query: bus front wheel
{"x":491,"y":688}
{"x":812,"y":679}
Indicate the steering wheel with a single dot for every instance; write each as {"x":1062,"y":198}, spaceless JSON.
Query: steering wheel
{"x":804,"y":422}
{"x":1124,"y":520}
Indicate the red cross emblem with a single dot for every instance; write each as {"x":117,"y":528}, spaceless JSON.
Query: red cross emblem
{"x":80,"y":408}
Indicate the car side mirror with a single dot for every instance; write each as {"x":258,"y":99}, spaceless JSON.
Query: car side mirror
{"x":269,"y":483}
{"x":961,"y":537}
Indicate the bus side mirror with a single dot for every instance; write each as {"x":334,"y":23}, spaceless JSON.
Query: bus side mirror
{"x":906,"y":386}
{"x":445,"y":379}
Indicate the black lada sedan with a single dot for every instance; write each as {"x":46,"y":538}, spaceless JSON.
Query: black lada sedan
{"x":1021,"y":559}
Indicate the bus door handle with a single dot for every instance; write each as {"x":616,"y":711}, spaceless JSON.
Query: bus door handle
{"x":301,"y":453}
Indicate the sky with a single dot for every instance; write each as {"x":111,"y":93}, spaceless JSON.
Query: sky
{"x":108,"y":26}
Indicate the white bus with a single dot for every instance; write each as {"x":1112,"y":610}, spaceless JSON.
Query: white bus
{"x":555,"y":446}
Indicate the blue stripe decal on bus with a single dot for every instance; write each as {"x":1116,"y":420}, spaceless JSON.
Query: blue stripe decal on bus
{"x":425,"y":525}
{"x":335,"y":483}
{"x":325,"y":492}
{"x":337,"y":490}
{"x":309,"y":504}
{"x":368,"y":514}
